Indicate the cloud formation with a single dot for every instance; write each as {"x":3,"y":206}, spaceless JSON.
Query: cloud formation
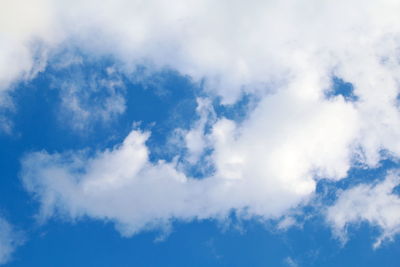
{"x":9,"y":240}
{"x":262,"y":168}
{"x":235,"y":46}
{"x":283,"y":52}
{"x":375,"y":203}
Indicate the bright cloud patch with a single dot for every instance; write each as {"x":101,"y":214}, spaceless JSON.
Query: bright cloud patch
{"x":376,"y":204}
{"x":234,"y":46}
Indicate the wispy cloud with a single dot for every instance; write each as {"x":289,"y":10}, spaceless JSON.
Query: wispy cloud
{"x":9,"y":241}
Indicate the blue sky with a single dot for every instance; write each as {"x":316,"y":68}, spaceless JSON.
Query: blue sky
{"x":139,"y":134}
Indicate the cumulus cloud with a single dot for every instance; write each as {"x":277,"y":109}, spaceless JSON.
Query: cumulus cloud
{"x":234,"y":45}
{"x":283,"y":52}
{"x":263,"y":169}
{"x":374,"y":203}
{"x":24,"y":27}
{"x":9,"y":240}
{"x":120,"y":185}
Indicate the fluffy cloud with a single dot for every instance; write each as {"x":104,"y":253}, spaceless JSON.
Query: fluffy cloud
{"x":118,"y":184}
{"x":283,"y":52}
{"x":375,"y":203}
{"x":264,"y":168}
{"x":234,"y":45}
{"x":25,"y":28}
{"x":9,"y":240}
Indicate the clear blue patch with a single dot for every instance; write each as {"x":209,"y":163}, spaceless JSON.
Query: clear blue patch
{"x":327,"y":189}
{"x":93,"y":243}
{"x":342,"y":88}
{"x":238,"y":111}
{"x":396,"y":190}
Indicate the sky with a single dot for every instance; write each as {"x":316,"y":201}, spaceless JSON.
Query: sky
{"x":199,"y":133}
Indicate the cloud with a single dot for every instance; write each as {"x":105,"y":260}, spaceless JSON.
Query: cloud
{"x":262,"y":169}
{"x":119,"y":185}
{"x":290,"y":262}
{"x":9,"y":240}
{"x":374,"y":203}
{"x":195,"y":139}
{"x":233,"y":46}
{"x":96,"y":96}
{"x":285,"y":53}
{"x":25,"y":26}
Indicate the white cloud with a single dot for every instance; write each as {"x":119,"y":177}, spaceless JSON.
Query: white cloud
{"x":234,"y":45}
{"x":373,"y":203}
{"x":119,"y":185}
{"x":263,"y":169}
{"x":25,"y":26}
{"x":284,"y":52}
{"x":9,"y":240}
{"x":195,"y":139}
